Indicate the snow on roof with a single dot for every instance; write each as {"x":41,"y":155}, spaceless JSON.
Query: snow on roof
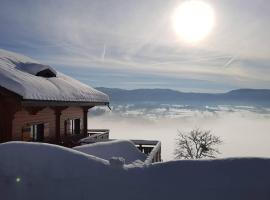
{"x":41,"y":171}
{"x":115,"y":148}
{"x":35,"y":81}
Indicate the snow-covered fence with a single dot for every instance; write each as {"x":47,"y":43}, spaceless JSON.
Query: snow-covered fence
{"x":150,"y":147}
{"x":98,"y":131}
{"x":96,"y":135}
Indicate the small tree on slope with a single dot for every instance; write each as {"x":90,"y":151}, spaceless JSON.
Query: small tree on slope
{"x":196,"y":144}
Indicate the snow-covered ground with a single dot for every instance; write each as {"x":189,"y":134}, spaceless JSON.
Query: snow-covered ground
{"x":42,"y":171}
{"x":116,"y":148}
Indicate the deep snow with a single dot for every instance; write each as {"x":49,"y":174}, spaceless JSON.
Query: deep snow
{"x":115,"y":148}
{"x":43,"y":171}
{"x":18,"y":74}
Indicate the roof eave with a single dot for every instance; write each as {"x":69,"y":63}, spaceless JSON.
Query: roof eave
{"x":29,"y":103}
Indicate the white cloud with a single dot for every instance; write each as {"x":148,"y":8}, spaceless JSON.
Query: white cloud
{"x":137,"y":36}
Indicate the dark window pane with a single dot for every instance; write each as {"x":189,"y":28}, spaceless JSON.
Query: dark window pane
{"x":77,"y":126}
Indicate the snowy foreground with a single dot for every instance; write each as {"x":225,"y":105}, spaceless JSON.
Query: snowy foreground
{"x":42,"y":171}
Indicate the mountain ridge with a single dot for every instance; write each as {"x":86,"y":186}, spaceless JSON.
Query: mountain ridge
{"x":243,"y":96}
{"x":167,"y":89}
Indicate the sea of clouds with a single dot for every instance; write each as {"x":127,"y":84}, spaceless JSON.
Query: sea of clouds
{"x":245,"y":130}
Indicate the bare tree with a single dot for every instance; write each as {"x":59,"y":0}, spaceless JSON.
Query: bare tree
{"x":196,"y":144}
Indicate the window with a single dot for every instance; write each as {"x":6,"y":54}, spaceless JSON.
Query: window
{"x":34,"y":132}
{"x":73,"y":126}
{"x":37,"y":132}
{"x":47,"y":73}
{"x":38,"y":69}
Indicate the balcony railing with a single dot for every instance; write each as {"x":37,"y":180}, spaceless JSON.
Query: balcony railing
{"x":152,"y":148}
{"x":95,"y":135}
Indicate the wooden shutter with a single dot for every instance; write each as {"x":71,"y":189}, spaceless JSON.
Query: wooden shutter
{"x":68,"y":127}
{"x":26,"y":133}
{"x":46,"y":130}
{"x":81,"y":125}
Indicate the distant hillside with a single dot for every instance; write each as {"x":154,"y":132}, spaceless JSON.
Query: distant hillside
{"x":241,"y":96}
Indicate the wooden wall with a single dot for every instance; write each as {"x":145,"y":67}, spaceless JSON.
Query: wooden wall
{"x":23,"y":118}
{"x":46,"y":115}
{"x":70,"y":113}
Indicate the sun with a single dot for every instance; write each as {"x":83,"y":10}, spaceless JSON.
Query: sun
{"x":193,"y":20}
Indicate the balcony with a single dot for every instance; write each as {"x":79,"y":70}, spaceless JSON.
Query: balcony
{"x":151,"y":148}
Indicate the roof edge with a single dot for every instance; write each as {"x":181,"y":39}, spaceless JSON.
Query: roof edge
{"x":7,"y":92}
{"x":28,"y":103}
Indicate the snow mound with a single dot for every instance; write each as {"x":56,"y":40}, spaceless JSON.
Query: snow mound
{"x":115,"y":148}
{"x":34,"y":155}
{"x":117,"y":162}
{"x":34,"y":81}
{"x":33,"y":171}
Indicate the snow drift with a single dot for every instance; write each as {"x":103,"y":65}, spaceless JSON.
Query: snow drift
{"x":116,"y":148}
{"x":53,"y":172}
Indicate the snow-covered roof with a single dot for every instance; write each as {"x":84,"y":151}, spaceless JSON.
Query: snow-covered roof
{"x":34,"y":81}
{"x":115,"y":148}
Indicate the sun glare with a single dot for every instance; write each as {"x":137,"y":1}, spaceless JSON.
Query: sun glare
{"x":193,"y":20}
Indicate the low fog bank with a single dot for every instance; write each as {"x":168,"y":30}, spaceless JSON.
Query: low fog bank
{"x":244,"y":130}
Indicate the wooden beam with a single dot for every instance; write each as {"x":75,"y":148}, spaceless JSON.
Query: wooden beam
{"x":2,"y":121}
{"x":8,"y":93}
{"x":30,"y":103}
{"x":58,"y":111}
{"x":8,"y":107}
{"x":34,"y":110}
{"x":85,"y":119}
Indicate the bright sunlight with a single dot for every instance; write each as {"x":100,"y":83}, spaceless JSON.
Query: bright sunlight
{"x":193,"y":20}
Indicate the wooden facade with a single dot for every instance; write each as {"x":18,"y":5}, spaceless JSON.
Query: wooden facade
{"x":53,"y":122}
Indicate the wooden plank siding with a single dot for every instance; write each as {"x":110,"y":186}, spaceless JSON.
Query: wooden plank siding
{"x":70,"y":113}
{"x":23,"y":118}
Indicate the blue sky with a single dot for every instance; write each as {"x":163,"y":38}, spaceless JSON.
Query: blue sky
{"x":131,"y":44}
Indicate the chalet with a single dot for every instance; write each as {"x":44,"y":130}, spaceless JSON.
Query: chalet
{"x":38,"y":103}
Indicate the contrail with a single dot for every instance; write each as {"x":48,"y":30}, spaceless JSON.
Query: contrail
{"x":229,"y":61}
{"x":103,"y":53}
